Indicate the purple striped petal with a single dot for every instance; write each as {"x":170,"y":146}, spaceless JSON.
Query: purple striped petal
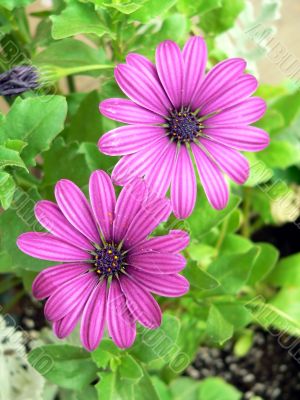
{"x":194,"y":56}
{"x":103,"y":201}
{"x":242,"y":88}
{"x":184,"y":186}
{"x":167,"y":285}
{"x":65,"y":326}
{"x":130,"y":201}
{"x":212,"y":179}
{"x":158,"y":263}
{"x":47,"y":247}
{"x":219,"y":78}
{"x":72,"y":294}
{"x":129,"y":139}
{"x":246,"y":112}
{"x":143,"y":89}
{"x":159,"y":176}
{"x":174,"y":242}
{"x":50,"y":217}
{"x":141,"y":63}
{"x":234,"y":164}
{"x":146,"y":220}
{"x":141,"y":304}
{"x":120,"y":323}
{"x":169,"y":64}
{"x":76,"y":209}
{"x":127,"y":111}
{"x":51,"y":278}
{"x":139,"y":163}
{"x":239,"y":137}
{"x":93,"y":318}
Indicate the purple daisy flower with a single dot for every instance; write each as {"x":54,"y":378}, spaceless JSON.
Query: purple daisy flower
{"x":109,"y":265}
{"x":176,"y":111}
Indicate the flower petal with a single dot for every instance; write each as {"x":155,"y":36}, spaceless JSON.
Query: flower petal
{"x":234,"y":164}
{"x":157,"y":263}
{"x":65,"y":326}
{"x":220,"y":77}
{"x":184,"y":186}
{"x":195,"y":58}
{"x":130,"y":200}
{"x":240,"y":137}
{"x":167,"y":285}
{"x":51,"y":278}
{"x":246,"y":112}
{"x":129,"y":139}
{"x":47,"y":247}
{"x":141,"y":304}
{"x":211,"y":177}
{"x":240,"y":89}
{"x":103,"y":201}
{"x":127,"y":111}
{"x":141,"y":63}
{"x":146,"y":220}
{"x":169,"y":64}
{"x":93,"y":318}
{"x":72,"y":294}
{"x":51,"y":218}
{"x":174,"y":242}
{"x":143,"y":89}
{"x":120,"y":323}
{"x":76,"y":209}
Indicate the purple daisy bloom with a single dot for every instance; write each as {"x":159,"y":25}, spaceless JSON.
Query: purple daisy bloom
{"x":176,"y":111}
{"x":109,"y":265}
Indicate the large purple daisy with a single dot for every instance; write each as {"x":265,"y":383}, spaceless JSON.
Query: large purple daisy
{"x":110,"y":266}
{"x":175,"y":111}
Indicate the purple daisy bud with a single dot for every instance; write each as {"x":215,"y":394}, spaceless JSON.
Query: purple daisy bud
{"x":18,"y":80}
{"x":109,"y":265}
{"x":176,"y":113}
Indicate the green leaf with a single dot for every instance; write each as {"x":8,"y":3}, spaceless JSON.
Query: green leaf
{"x":77,"y":18}
{"x":211,"y":388}
{"x":161,"y":388}
{"x":94,"y":159}
{"x":287,"y":272}
{"x":10,"y":158}
{"x":280,"y":154}
{"x":244,"y":343}
{"x":218,"y":329}
{"x":151,"y":9}
{"x":233,"y":243}
{"x":264,"y":263}
{"x":144,"y":389}
{"x":7,"y":189}
{"x":198,"y":278}
{"x":105,"y":353}
{"x":35,"y":120}
{"x":289,"y":107}
{"x":130,"y":369}
{"x":259,"y":171}
{"x":208,"y":216}
{"x":106,"y":387}
{"x":271,"y":121}
{"x":127,"y":7}
{"x":11,"y":4}
{"x":288,"y":301}
{"x":185,"y":389}
{"x":197,"y":8}
{"x":67,"y":366}
{"x":236,"y":314}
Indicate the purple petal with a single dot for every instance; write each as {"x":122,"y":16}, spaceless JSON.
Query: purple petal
{"x":141,"y":63}
{"x":219,"y":78}
{"x":50,"y":217}
{"x":143,"y":89}
{"x":195,"y":58}
{"x":93,"y":318}
{"x":184,"y":186}
{"x":76,"y":209}
{"x":72,"y":294}
{"x":51,"y":278}
{"x":139,"y":163}
{"x":129,"y":139}
{"x":157,"y":263}
{"x":146,"y":220}
{"x":240,"y":137}
{"x":169,"y":64}
{"x":120,"y":323}
{"x":167,"y":285}
{"x":212,"y":179}
{"x":47,"y":247}
{"x":141,"y":304}
{"x":234,"y":164}
{"x":65,"y":326}
{"x":174,"y":242}
{"x":241,"y":88}
{"x":103,"y":201}
{"x":126,"y":111}
{"x":246,"y":112}
{"x":130,"y":200}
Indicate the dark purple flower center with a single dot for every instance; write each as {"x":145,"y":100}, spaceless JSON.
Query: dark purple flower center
{"x":183,"y":125}
{"x":108,"y":261}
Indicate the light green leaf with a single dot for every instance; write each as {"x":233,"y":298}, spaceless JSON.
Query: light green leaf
{"x":218,"y":329}
{"x":185,"y":388}
{"x":67,"y":366}
{"x":11,"y":4}
{"x":287,"y":272}
{"x":264,"y":263}
{"x":211,"y":388}
{"x":198,"y":278}
{"x":197,"y":8}
{"x":106,"y":387}
{"x":161,"y":388}
{"x":271,"y":121}
{"x":130,"y":369}
{"x":236,"y":314}
{"x":10,"y":158}
{"x":288,"y":301}
{"x":151,"y":9}
{"x":259,"y":171}
{"x":280,"y":154}
{"x":244,"y":343}
{"x":7,"y":189}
